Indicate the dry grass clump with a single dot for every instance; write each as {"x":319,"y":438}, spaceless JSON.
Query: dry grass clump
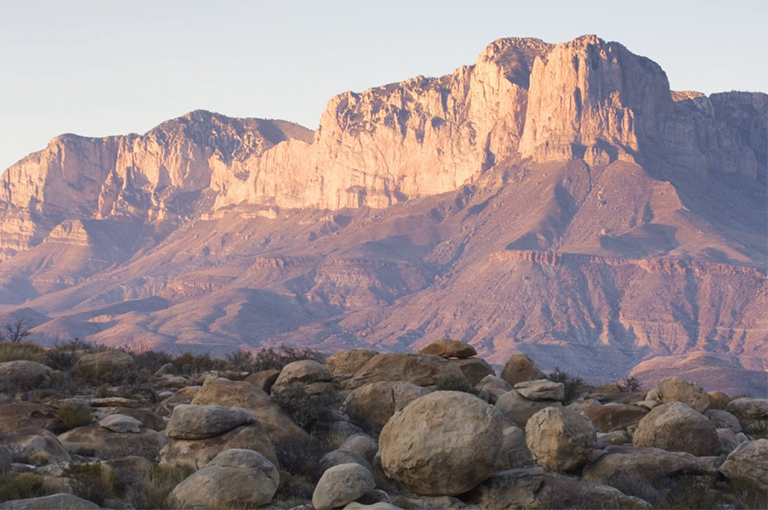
{"x":21,"y":486}
{"x":21,"y":351}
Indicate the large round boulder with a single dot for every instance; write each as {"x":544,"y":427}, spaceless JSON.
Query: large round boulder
{"x":677,"y":427}
{"x":449,"y":349}
{"x":104,"y":366}
{"x":560,"y":439}
{"x":35,"y":446}
{"x":675,"y":389}
{"x":340,"y":485}
{"x":444,"y":443}
{"x":25,"y":375}
{"x":236,"y":478}
{"x":424,"y":370}
{"x":17,"y":415}
{"x":371,"y":406}
{"x":519,"y":368}
{"x":190,"y":421}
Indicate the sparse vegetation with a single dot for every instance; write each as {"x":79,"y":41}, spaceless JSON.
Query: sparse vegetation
{"x":73,"y":416}
{"x":456,"y":383}
{"x":153,"y":490}
{"x":21,"y":486}
{"x":21,"y":351}
{"x":271,"y":359}
{"x":313,"y":413}
{"x":93,"y":481}
{"x":15,"y":332}
{"x":573,"y":384}
{"x":629,"y":385}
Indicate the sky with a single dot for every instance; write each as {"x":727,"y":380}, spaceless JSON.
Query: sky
{"x":106,"y":67}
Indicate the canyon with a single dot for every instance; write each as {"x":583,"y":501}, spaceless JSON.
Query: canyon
{"x":553,"y":199}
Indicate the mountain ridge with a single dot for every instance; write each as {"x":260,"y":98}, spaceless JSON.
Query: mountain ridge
{"x":553,"y":199}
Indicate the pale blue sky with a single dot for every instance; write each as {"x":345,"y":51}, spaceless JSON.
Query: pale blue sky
{"x":102,"y":67}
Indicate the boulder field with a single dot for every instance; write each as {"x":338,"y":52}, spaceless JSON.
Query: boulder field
{"x":364,"y":430}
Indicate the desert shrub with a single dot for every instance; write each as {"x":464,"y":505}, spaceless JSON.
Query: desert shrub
{"x":191,"y":364}
{"x":104,"y":391}
{"x":78,"y":345}
{"x":268,"y":358}
{"x":93,"y":481}
{"x":21,"y":351}
{"x":61,"y":360}
{"x":629,"y":385}
{"x":313,"y":413}
{"x":153,"y":490}
{"x":22,"y":486}
{"x":151,"y":361}
{"x":573,"y":384}
{"x":300,"y":456}
{"x":38,"y":396}
{"x":456,"y":383}
{"x":72,"y":416}
{"x":293,"y":490}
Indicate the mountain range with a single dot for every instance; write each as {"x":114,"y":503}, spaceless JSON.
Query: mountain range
{"x":558,"y":200}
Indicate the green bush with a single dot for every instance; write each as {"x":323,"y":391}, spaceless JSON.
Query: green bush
{"x":22,"y":486}
{"x":456,"y":383}
{"x":93,"y":481}
{"x":573,"y":384}
{"x":72,"y":416}
{"x":313,"y":413}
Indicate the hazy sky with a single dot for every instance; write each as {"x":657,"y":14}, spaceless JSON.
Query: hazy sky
{"x":102,"y":67}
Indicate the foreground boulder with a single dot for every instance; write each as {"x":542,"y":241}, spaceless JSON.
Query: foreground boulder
{"x":519,"y":368}
{"x":235,"y":478}
{"x":203,"y":421}
{"x":677,"y":428}
{"x":424,"y":370}
{"x":54,"y":502}
{"x":371,"y":406}
{"x":340,"y":485}
{"x":25,"y":375}
{"x":560,"y":439}
{"x":748,"y":462}
{"x":444,"y":443}
{"x":449,"y":349}
{"x":642,"y":472}
{"x":675,"y":389}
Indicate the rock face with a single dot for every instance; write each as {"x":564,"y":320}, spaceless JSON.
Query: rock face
{"x":204,"y":421}
{"x":372,"y":405}
{"x":444,"y":443}
{"x":234,"y":478}
{"x":560,"y":439}
{"x":749,"y":462}
{"x":538,"y":172}
{"x":677,"y":428}
{"x":420,"y":369}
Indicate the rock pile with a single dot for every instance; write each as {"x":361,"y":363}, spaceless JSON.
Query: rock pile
{"x":376,"y":431}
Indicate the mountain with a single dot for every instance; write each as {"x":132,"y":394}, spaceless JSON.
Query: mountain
{"x":558,"y":200}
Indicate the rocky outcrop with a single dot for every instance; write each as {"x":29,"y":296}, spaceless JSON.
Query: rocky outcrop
{"x":678,"y":428}
{"x":560,"y":439}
